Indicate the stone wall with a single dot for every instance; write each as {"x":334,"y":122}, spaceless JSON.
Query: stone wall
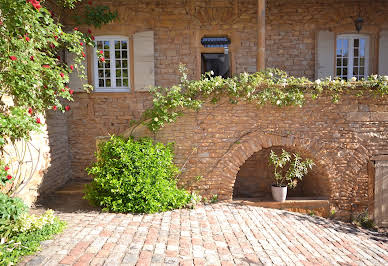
{"x":291,"y":28}
{"x":341,"y":139}
{"x":41,"y":164}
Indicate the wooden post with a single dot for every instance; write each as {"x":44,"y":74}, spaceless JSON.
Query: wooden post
{"x":260,"y":60}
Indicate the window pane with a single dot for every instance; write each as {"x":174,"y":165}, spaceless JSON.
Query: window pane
{"x":345,"y":62}
{"x":118,"y":82}
{"x":355,"y":61}
{"x":107,"y":73}
{"x":99,"y":45}
{"x":117,"y":45}
{"x":355,"y":52}
{"x":345,"y":72}
{"x":118,"y":72}
{"x":361,"y":71}
{"x":118,"y":63}
{"x":117,"y":54}
{"x":125,"y":63}
{"x":362,"y":47}
{"x":124,"y":54}
{"x":107,"y":64}
{"x":338,"y":72}
{"x":125,"y":72}
{"x":125,"y":82}
{"x":355,"y":71}
{"x":108,"y":84}
{"x":124,"y":45}
{"x":106,"y":54}
{"x":356,"y":42}
{"x":101,"y":83}
{"x":106,"y":45}
{"x":100,"y":73}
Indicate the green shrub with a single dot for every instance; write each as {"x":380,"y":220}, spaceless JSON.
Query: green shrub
{"x":11,"y":208}
{"x":135,"y":176}
{"x":25,"y":243}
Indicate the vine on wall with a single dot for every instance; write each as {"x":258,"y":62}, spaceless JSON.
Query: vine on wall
{"x":271,"y":86}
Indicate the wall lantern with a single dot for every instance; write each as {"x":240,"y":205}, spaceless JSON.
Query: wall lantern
{"x":358,"y":23}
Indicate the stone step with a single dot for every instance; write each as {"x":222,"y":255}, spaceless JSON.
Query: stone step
{"x":73,"y":187}
{"x":306,"y":205}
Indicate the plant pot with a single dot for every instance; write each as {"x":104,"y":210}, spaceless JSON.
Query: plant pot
{"x":279,"y":193}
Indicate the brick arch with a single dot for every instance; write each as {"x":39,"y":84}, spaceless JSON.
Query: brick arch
{"x":229,"y":165}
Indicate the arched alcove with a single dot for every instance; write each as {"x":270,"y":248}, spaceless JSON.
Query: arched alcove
{"x":255,"y":177}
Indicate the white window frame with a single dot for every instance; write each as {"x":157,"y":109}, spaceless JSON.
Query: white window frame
{"x":350,"y":38}
{"x":112,"y":59}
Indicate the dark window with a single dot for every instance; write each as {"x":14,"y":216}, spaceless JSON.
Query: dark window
{"x":218,"y":63}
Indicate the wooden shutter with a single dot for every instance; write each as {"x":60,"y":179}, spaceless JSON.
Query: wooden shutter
{"x":324,"y":60}
{"x":383,"y":53}
{"x":144,"y":60}
{"x":76,"y":83}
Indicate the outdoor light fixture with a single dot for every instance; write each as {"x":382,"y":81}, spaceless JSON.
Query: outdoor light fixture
{"x":358,"y":23}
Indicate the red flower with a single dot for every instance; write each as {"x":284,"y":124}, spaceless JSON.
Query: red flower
{"x":93,"y":38}
{"x":102,"y":59}
{"x":27,"y":38}
{"x":46,"y":66}
{"x":83,"y":54}
{"x":56,"y":37}
{"x":81,"y":43}
{"x":59,"y":58}
{"x":90,"y":3}
{"x":13,"y":58}
{"x":89,"y":31}
{"x":71,"y":92}
{"x":30,"y":110}
{"x":62,"y":75}
{"x":51,"y":13}
{"x":75,"y":28}
{"x":67,"y":108}
{"x":55,"y":107}
{"x":101,"y":52}
{"x":35,"y":3}
{"x":32,"y":58}
{"x":9,"y":177}
{"x":52,"y":45}
{"x":72,"y":67}
{"x":6,"y":168}
{"x":38,"y":120}
{"x":63,"y":90}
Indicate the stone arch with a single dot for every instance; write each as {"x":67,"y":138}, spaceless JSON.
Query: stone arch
{"x":229,"y":165}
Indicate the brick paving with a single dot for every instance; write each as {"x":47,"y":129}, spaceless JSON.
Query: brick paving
{"x":217,"y":234}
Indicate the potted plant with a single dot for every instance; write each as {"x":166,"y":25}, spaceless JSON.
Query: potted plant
{"x":289,"y":169}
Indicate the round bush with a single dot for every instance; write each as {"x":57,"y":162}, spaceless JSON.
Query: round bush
{"x":135,"y":176}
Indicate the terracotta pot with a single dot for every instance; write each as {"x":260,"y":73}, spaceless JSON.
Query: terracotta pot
{"x":279,"y":193}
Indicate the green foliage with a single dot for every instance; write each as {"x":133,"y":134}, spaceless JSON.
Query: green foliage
{"x":214,"y":198}
{"x":364,"y":221}
{"x":11,"y":208}
{"x":21,"y":232}
{"x":135,"y":176}
{"x":33,"y":74}
{"x":271,"y":86}
{"x":95,"y":15}
{"x":26,"y":243}
{"x":289,"y":169}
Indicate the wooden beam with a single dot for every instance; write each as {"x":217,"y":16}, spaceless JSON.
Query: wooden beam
{"x":260,"y":60}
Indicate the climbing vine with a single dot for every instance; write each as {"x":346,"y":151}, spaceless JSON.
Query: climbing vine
{"x":271,"y":86}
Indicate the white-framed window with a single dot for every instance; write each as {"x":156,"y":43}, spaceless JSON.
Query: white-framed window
{"x":113,"y":74}
{"x":352,"y":56}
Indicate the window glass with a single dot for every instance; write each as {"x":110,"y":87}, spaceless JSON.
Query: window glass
{"x":351,"y":56}
{"x":113,"y":73}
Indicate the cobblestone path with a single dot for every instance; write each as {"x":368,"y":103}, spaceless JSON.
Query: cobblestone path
{"x":217,"y":234}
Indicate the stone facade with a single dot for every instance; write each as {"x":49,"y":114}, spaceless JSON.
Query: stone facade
{"x":341,"y":139}
{"x":215,"y":142}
